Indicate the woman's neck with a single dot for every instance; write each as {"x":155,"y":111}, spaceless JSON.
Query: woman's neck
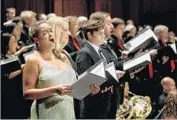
{"x":46,"y":54}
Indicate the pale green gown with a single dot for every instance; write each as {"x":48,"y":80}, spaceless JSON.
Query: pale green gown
{"x":55,"y":106}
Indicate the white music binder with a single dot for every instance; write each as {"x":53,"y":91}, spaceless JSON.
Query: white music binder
{"x":137,"y":62}
{"x":94,"y":75}
{"x":142,"y":40}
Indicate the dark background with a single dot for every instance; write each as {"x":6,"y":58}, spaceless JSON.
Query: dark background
{"x":140,"y":11}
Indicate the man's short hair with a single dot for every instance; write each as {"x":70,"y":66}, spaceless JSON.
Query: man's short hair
{"x":92,"y":25}
{"x":11,"y":8}
{"x":160,"y":28}
{"x":117,"y":21}
{"x":99,"y":15}
{"x":27,"y":14}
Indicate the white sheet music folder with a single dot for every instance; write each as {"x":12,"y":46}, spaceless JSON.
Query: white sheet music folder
{"x":142,"y":40}
{"x":136,"y":62}
{"x":94,"y":75}
{"x":111,"y":72}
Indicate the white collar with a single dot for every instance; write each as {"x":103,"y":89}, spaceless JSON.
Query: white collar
{"x":7,"y":22}
{"x":95,"y":47}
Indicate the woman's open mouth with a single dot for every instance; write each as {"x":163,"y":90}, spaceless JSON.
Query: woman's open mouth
{"x":52,"y":40}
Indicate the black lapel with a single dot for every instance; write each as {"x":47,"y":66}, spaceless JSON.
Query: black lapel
{"x":93,"y":53}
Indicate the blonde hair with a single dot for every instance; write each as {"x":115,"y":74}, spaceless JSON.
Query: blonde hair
{"x":57,"y":24}
{"x":26,"y":15}
{"x":160,"y":28}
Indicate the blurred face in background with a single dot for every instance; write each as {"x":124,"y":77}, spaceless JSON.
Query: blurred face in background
{"x":164,"y":35}
{"x":130,"y":22}
{"x":171,"y":36}
{"x":10,"y":14}
{"x":168,"y":88}
{"x":119,"y":30}
{"x":65,"y":33}
{"x":108,"y":27}
{"x":31,"y":20}
{"x":73,"y":27}
{"x":133,"y":32}
{"x":168,"y":85}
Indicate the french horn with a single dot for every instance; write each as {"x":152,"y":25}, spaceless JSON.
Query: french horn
{"x":137,"y":107}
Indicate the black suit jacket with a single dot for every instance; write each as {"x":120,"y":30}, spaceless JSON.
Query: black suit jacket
{"x":111,"y":57}
{"x":99,"y":105}
{"x":25,"y":39}
{"x":71,"y":49}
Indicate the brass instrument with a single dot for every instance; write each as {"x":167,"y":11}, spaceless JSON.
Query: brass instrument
{"x":138,"y":107}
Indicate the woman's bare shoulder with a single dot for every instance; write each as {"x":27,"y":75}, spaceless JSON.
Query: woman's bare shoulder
{"x":34,"y":57}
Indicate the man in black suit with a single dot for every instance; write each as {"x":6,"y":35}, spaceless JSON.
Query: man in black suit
{"x":110,"y":56}
{"x":10,"y":15}
{"x":94,"y":106}
{"x":80,"y":38}
{"x":28,"y":19}
{"x":116,"y":40}
{"x":73,"y":46}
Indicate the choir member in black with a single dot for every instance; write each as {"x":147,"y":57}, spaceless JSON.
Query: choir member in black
{"x":10,"y":15}
{"x":166,"y":56}
{"x":13,"y":49}
{"x":73,"y":46}
{"x":80,"y":34}
{"x":94,"y":106}
{"x":29,"y":20}
{"x":109,"y":53}
{"x":130,"y":32}
{"x":111,"y":56}
{"x":116,"y":40}
{"x":172,"y":39}
{"x":13,"y":104}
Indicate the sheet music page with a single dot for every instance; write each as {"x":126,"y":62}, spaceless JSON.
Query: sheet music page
{"x":99,"y":70}
{"x":111,"y":69}
{"x":94,"y":75}
{"x":136,"y":61}
{"x":81,"y":88}
{"x":139,"y":40}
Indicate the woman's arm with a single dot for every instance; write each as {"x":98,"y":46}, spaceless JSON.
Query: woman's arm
{"x":13,"y":47}
{"x":30,"y":75}
{"x":17,"y":72}
{"x":14,"y":74}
